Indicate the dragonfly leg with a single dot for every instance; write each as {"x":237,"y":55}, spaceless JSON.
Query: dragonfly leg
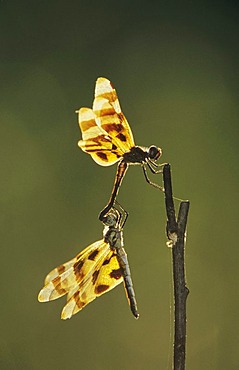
{"x":148,"y":179}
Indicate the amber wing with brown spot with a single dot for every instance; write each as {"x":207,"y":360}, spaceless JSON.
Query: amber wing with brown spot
{"x":106,"y":133}
{"x":90,"y":274}
{"x":95,"y":140}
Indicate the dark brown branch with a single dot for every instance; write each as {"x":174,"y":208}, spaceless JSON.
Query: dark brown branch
{"x":176,"y":230}
{"x":171,"y":222}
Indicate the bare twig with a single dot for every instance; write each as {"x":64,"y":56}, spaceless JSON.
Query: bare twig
{"x":176,"y":231}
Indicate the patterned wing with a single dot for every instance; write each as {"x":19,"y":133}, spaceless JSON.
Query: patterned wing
{"x":106,"y":275}
{"x":96,"y":141}
{"x":82,"y":256}
{"x":68,"y":275}
{"x":109,"y":116}
{"x":91,"y":273}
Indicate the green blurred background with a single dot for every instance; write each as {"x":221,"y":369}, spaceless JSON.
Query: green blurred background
{"x":175,"y":68}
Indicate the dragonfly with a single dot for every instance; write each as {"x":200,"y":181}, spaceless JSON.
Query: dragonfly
{"x":107,"y":137}
{"x":96,"y":270}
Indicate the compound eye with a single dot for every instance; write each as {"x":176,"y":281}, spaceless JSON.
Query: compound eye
{"x":110,"y":219}
{"x":154,"y":152}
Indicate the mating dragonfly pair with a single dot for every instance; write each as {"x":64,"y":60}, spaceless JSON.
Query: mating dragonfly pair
{"x":107,"y":137}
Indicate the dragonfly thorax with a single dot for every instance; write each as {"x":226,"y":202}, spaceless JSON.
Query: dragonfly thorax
{"x":137,"y":154}
{"x":114,"y":237}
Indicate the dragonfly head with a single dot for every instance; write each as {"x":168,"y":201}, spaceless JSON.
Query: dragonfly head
{"x":110,"y":219}
{"x":154,"y":152}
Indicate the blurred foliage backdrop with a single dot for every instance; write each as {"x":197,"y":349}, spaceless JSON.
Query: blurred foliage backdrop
{"x":175,"y":67}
